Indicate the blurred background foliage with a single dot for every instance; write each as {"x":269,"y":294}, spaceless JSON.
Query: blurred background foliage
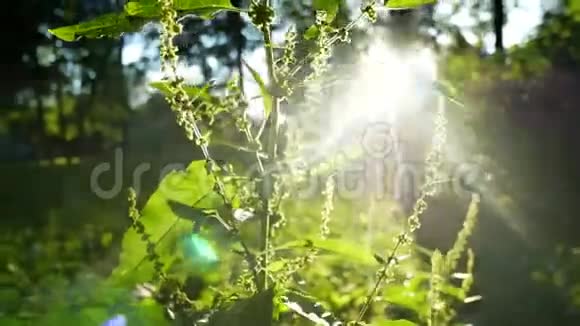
{"x":66,"y":107}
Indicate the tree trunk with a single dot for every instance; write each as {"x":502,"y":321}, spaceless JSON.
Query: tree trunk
{"x":40,"y":123}
{"x":239,"y":40}
{"x":124,"y":94}
{"x":65,"y":150}
{"x":498,"y":22}
{"x":39,"y":112}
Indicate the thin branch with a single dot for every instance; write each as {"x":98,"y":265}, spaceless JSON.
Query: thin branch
{"x":271,"y":143}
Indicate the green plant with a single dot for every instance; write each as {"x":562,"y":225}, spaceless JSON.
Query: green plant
{"x":209,"y":212}
{"x":560,"y":274}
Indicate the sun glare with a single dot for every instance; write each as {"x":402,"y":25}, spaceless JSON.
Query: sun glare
{"x":385,"y":84}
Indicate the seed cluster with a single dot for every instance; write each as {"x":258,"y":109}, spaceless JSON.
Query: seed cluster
{"x":261,"y":14}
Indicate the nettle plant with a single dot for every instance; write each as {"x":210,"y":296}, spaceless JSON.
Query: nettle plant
{"x":265,"y":268}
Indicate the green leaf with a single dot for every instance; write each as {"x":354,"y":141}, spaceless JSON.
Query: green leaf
{"x":193,"y":187}
{"x":407,"y":4}
{"x":135,"y":15}
{"x":309,"y":308}
{"x":380,"y":259}
{"x":203,"y":8}
{"x":330,"y":6}
{"x":200,"y":217}
{"x":400,"y":322}
{"x":402,"y":296}
{"x":574,"y":9}
{"x":311,"y":33}
{"x":415,"y":283}
{"x":191,"y":5}
{"x":109,"y":25}
{"x":148,"y":312}
{"x":266,"y":96}
{"x":146,"y":9}
{"x":257,"y":311}
{"x":193,"y":91}
{"x":340,"y":247}
{"x":106,"y":239}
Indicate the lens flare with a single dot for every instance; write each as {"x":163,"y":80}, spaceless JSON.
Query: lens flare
{"x":199,"y":250}
{"x":118,"y":320}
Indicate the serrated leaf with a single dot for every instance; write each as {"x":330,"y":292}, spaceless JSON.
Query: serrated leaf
{"x":193,"y":187}
{"x":256,"y":310}
{"x":135,"y":15}
{"x":203,"y":8}
{"x":266,"y":95}
{"x":109,"y":25}
{"x":407,"y":4}
{"x":330,"y":6}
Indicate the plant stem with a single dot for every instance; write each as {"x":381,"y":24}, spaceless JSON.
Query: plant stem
{"x":382,"y":276}
{"x":271,"y":142}
{"x":181,"y":104}
{"x":329,"y":43}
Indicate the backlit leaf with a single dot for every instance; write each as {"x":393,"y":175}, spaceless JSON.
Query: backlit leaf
{"x":109,"y":25}
{"x":311,"y":33}
{"x":147,"y":9}
{"x":203,"y":8}
{"x":193,"y":187}
{"x":193,"y":91}
{"x":406,"y":4}
{"x":330,"y":6}
{"x":266,"y":96}
{"x":135,"y":15}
